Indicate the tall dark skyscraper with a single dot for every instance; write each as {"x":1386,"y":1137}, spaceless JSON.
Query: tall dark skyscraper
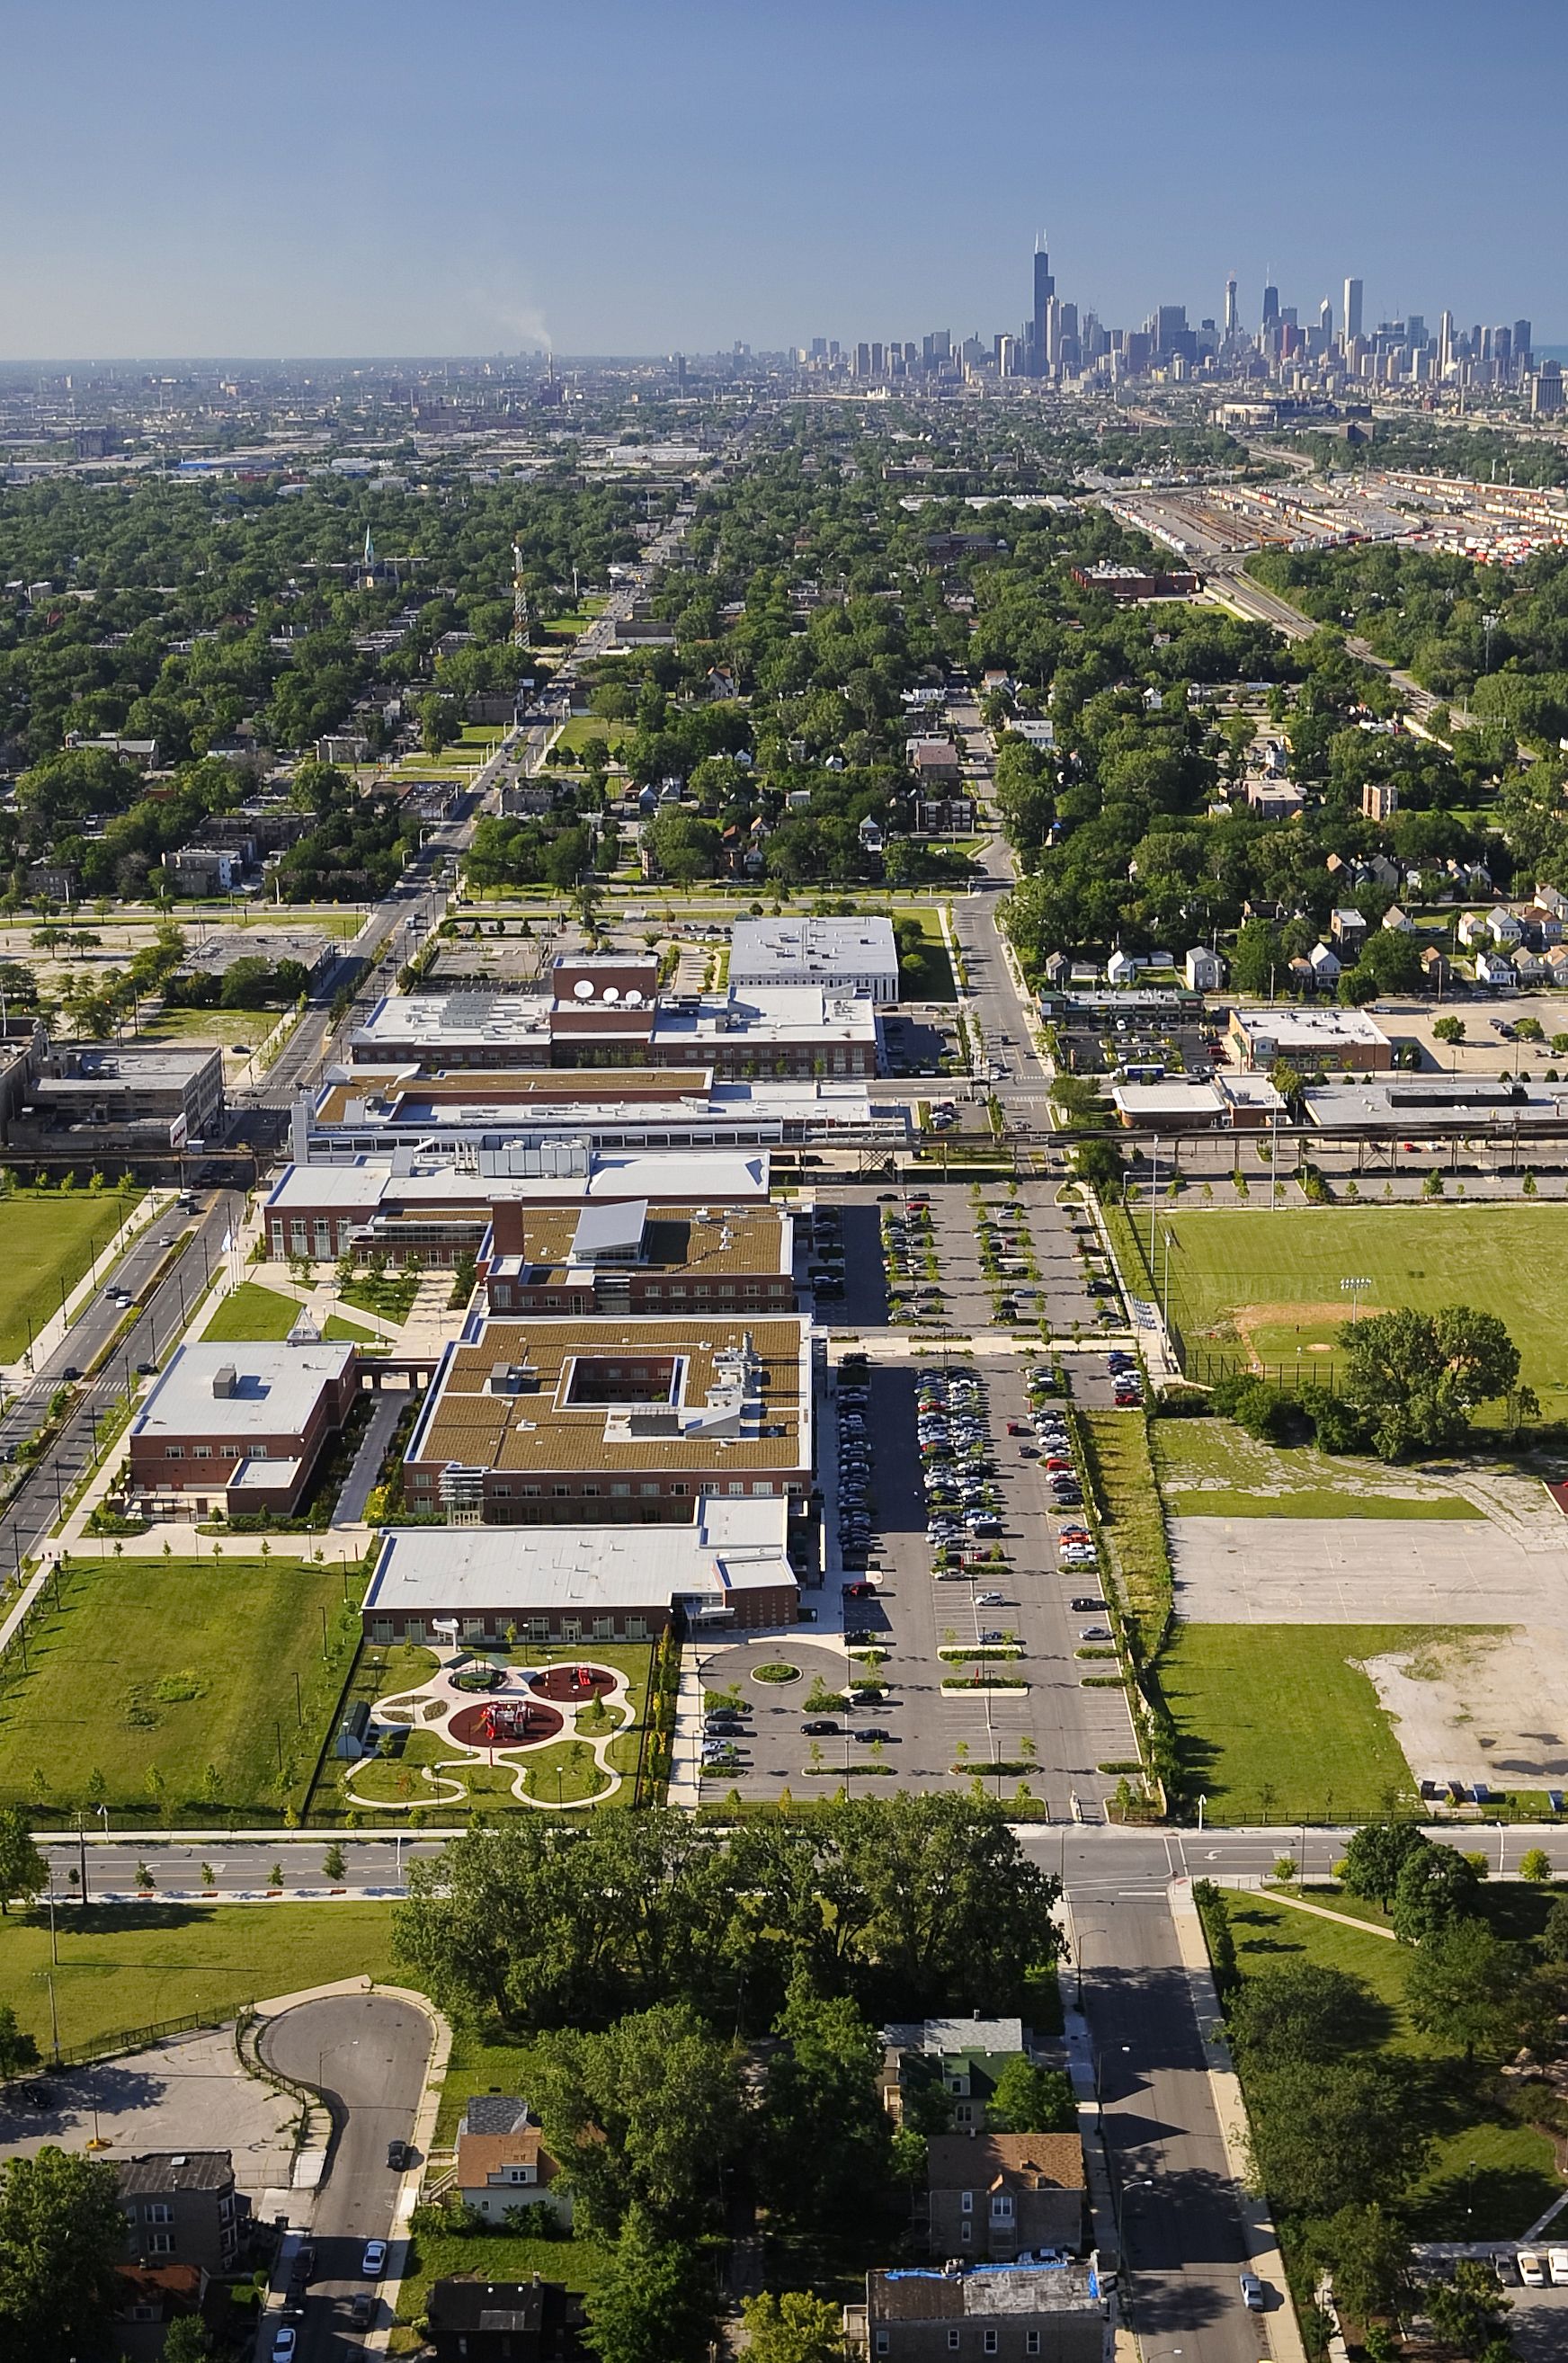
{"x":1044,"y":289}
{"x":1271,"y":307}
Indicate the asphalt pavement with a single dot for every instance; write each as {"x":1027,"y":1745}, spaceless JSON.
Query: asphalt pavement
{"x":366,"y":2055}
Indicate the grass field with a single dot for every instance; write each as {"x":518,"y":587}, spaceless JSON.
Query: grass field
{"x":1513,"y":2181}
{"x":152,"y":1670}
{"x":47,"y":1241}
{"x":132,"y":1965}
{"x":497,"y":2256}
{"x":1129,"y":1509}
{"x":576,"y":735}
{"x":1211,"y":1468}
{"x":1278,"y":1724}
{"x":928,"y":977}
{"x":390,"y":1297}
{"x":253,"y":1314}
{"x":1269,"y":1281}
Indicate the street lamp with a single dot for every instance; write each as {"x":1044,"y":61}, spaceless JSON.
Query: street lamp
{"x":1354,"y":1290}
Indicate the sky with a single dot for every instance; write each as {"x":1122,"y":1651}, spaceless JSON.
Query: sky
{"x":333,"y":178}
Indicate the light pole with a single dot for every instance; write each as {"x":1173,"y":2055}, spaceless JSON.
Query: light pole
{"x":1354,"y":1289}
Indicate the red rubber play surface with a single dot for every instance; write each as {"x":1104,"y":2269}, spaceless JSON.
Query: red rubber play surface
{"x":576,"y":1683}
{"x":509,"y":1722}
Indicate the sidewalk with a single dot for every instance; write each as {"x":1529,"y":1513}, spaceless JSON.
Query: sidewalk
{"x":1262,"y":2244}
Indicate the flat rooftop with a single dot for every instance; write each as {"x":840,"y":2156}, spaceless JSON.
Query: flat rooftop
{"x":731,"y":1547}
{"x":725,"y":1240}
{"x":151,"y":1066}
{"x":708,"y":1394}
{"x":276,"y":1386}
{"x":1413,"y":1104}
{"x":452,"y":1019}
{"x":1312,"y":1028}
{"x":222,"y":946}
{"x":511,"y":1169}
{"x":925,"y":2293}
{"x":760,"y":947}
{"x":769,"y":1012}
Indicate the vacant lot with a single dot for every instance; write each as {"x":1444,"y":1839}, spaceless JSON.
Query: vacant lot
{"x":1490,"y":2176}
{"x":1269,"y":1281}
{"x":131,"y":1966}
{"x":1279,"y":1724}
{"x":47,"y":1238}
{"x":175,"y":1681}
{"x":1211,"y":1468}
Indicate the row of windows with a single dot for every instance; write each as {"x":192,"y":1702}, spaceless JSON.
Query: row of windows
{"x":989,"y":2342}
{"x":422,"y":1480}
{"x":534,"y":1628}
{"x":203,"y":1451}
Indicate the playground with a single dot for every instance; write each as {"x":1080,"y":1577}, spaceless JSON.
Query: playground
{"x":478,"y":1727}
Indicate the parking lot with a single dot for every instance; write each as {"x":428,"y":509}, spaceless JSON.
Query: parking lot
{"x":1029,"y":1718}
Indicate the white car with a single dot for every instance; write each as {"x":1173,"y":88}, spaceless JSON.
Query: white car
{"x":373,"y":2264}
{"x":284,"y":2342}
{"x":1533,"y":2268}
{"x":1557,"y":2266}
{"x":1252,"y":2296}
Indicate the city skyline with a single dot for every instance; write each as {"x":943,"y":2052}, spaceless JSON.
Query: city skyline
{"x":728,"y":179}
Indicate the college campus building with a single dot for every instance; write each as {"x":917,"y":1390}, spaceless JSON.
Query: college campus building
{"x":239,"y":1428}
{"x":728,"y":1568}
{"x":841,"y":955}
{"x":630,"y":1258}
{"x":367,"y":1112}
{"x":553,"y":1422}
{"x":432,"y":1208}
{"x":1220,"y":1102}
{"x":608,"y":1011}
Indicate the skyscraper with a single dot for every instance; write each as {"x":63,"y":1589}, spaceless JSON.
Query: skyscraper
{"x":1271,"y":305}
{"x":1230,"y":305}
{"x":1044,"y":289}
{"x":1352,"y":308}
{"x":1445,"y":342}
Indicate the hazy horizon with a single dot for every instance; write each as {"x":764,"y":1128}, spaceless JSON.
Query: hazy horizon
{"x":380,"y":182}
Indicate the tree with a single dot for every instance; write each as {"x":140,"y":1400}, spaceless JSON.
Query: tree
{"x":1030,"y":2099}
{"x":651,"y":2305}
{"x":1534,"y":1865}
{"x":1369,"y":2256}
{"x":825,"y":2133}
{"x":1417,"y":1376}
{"x":1555,"y":1935}
{"x":1323,"y":2127}
{"x":684,"y":847}
{"x":61,"y":2233}
{"x":1449,"y":1030}
{"x":1462,"y":1985}
{"x":643,"y":2115}
{"x":23,"y":1870}
{"x":186,"y":2341}
{"x":1301,"y":2011}
{"x":17,"y":2048}
{"x":1436,"y":1885}
{"x":333,"y":1866}
{"x":1375,"y":1856}
{"x":794,"y":2328}
{"x":1467,"y":2311}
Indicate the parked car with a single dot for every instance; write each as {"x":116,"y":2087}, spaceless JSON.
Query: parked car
{"x":872,"y":1732}
{"x":1533,"y":2268}
{"x":1084,"y":1606}
{"x":1252,"y":2296}
{"x":373,"y":2264}
{"x":397,"y":2156}
{"x":284,"y":2342}
{"x":819,"y":1727}
{"x":1557,"y":2266}
{"x":361,"y":2314}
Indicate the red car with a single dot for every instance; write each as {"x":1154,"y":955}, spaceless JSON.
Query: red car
{"x":1017,"y":1428}
{"x":860,"y":1592}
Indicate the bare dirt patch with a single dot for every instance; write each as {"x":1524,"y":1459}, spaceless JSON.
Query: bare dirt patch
{"x":1480,"y":1706}
{"x":1247,"y":1320}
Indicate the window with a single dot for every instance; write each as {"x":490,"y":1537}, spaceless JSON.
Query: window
{"x":737,"y":1485}
{"x":201,"y":1452}
{"x":966,"y":2201}
{"x":258,"y":1452}
{"x":1031,"y":2342}
{"x":323,"y":1236}
{"x":966,"y":2229}
{"x":1002,"y":2207}
{"x":503,"y":1291}
{"x":649,"y":1492}
{"x":637,"y":1628}
{"x":988,"y":2343}
{"x":560,"y":1492}
{"x":620,"y":1491}
{"x":299,"y":1237}
{"x":278,"y":1250}
{"x":883,"y":2344}
{"x":158,"y":2211}
{"x":505,"y":1491}
{"x":176,"y":1451}
{"x":764,"y":1485}
{"x":952,"y":2342}
{"x":679,"y":1490}
{"x":160,"y":2244}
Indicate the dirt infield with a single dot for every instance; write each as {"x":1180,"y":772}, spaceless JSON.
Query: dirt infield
{"x":1247,"y":1319}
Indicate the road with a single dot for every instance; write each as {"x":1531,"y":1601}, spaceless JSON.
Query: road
{"x":366,"y":2054}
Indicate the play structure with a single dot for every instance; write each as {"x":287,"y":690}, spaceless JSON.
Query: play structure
{"x":519,"y":1711}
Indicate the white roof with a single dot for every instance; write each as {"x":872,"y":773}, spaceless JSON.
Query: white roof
{"x":276,"y":1388}
{"x":764,"y":948}
{"x":731,"y":1546}
{"x":726,"y":1176}
{"x":785,"y":1013}
{"x":1313,"y":1028}
{"x":1178,"y":1096}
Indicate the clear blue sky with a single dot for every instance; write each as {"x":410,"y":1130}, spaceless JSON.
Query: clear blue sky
{"x":335,"y":177}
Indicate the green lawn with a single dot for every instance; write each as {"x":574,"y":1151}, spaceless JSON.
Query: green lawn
{"x":251,"y":1313}
{"x":1211,"y":1468}
{"x":133,"y":1966}
{"x":47,"y":1241}
{"x":1124,"y":1486}
{"x":1514,"y":2180}
{"x":225,"y":1025}
{"x":1270,"y":1280}
{"x":497,"y":2256}
{"x":1277,"y":1723}
{"x":391,"y":1297}
{"x":151,"y":1670}
{"x":577,"y":734}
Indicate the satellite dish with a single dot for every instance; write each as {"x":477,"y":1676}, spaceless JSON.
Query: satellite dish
{"x":633,"y":998}
{"x":583,"y":990}
{"x":612,"y":992}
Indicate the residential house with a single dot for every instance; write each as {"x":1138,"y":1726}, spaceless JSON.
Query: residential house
{"x":1436,"y":972}
{"x":1504,"y":929}
{"x":1557,"y":964}
{"x":1122,"y":968}
{"x":998,"y":2194}
{"x":1205,"y":970}
{"x":1381,"y":872}
{"x":966,"y":2056}
{"x":1395,"y":921}
{"x":502,"y":2162}
{"x":1274,"y":799}
{"x":1325,"y":965}
{"x":148,"y":2297}
{"x":1472,"y":929}
{"x":1058,"y":968}
{"x":1348,"y":930}
{"x":719,"y":685}
{"x":870,"y":835}
{"x":1492,"y":968}
{"x":1530,"y":968}
{"x":504,"y":2322}
{"x":936,"y":765}
{"x":945,"y":816}
{"x":181,"y":2207}
{"x":1052,"y":2310}
{"x":1553,"y":899}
